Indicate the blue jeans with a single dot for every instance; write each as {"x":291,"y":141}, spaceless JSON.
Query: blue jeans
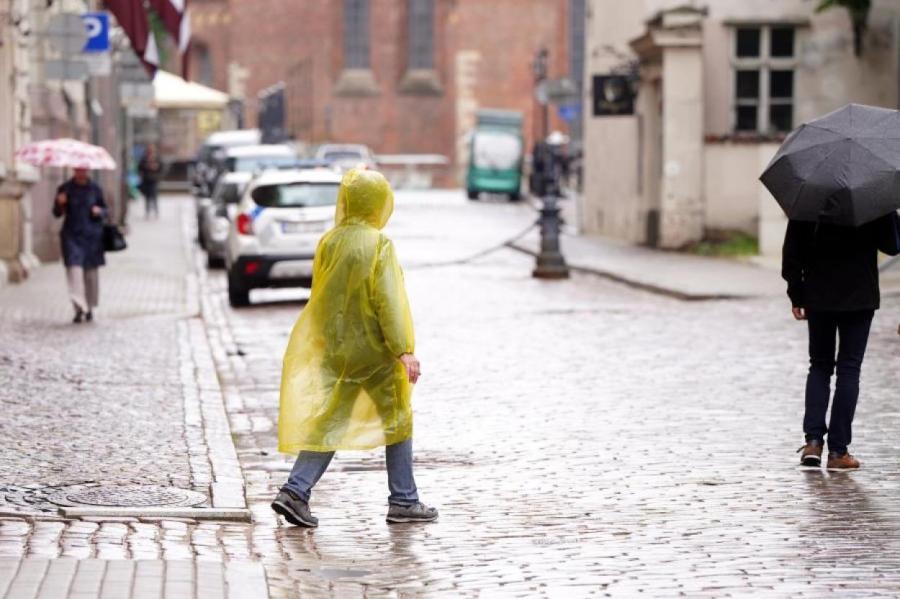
{"x":852,"y":328}
{"x":311,"y":465}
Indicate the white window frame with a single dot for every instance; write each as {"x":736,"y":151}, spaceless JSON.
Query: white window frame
{"x":765,"y":64}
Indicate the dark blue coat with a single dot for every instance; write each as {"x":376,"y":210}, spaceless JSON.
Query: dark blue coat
{"x":82,"y":232}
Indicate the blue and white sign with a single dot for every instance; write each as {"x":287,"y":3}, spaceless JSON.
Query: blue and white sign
{"x":97,"y":26}
{"x":569,"y":112}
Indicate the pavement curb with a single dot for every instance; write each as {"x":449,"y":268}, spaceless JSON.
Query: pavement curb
{"x":216,"y":514}
{"x":648,"y":287}
{"x":213,"y":458}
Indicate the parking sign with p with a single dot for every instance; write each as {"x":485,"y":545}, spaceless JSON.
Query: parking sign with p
{"x":97,"y":26}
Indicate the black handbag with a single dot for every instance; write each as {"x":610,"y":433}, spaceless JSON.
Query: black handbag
{"x":113,"y":240}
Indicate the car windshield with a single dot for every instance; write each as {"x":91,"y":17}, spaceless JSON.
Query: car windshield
{"x":343,"y":155}
{"x":296,"y":195}
{"x":250,"y":164}
{"x":496,"y":150}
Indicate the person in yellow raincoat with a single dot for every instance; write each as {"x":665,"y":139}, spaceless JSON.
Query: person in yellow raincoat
{"x":349,"y":366}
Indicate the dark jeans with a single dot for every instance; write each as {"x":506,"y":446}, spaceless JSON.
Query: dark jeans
{"x":151,"y":204}
{"x":852,"y":328}
{"x":311,"y":465}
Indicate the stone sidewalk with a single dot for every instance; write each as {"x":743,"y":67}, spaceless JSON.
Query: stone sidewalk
{"x":675,"y":274}
{"x":68,"y":578}
{"x":122,"y":421}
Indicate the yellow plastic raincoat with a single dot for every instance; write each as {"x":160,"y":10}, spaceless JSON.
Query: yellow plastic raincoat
{"x":342,"y":384}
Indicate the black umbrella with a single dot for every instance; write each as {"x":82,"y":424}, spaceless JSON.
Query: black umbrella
{"x":842,"y":168}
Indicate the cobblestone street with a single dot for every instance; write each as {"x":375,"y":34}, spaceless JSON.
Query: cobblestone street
{"x":579,"y":437}
{"x":99,"y":408}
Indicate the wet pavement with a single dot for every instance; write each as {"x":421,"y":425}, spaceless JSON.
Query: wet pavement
{"x":579,"y":437}
{"x":576,"y":435}
{"x":114,"y":412}
{"x":81,"y":404}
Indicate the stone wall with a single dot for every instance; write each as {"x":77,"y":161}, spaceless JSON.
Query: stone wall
{"x":827,"y":76}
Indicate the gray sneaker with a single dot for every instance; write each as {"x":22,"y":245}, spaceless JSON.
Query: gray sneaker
{"x":295,"y":510}
{"x":417,"y":512}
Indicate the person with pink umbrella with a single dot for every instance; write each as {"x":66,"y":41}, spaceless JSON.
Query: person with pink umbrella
{"x":81,"y":202}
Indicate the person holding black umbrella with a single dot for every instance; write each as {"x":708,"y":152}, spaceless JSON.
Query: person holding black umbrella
{"x":832,"y":276}
{"x":837,"y":180}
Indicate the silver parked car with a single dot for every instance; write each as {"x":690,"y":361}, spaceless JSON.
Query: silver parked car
{"x":345,"y":156}
{"x":273,"y":237}
{"x":216,"y":215}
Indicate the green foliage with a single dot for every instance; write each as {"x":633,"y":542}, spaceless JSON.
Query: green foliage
{"x":859,"y":15}
{"x":732,"y":245}
{"x":855,"y":7}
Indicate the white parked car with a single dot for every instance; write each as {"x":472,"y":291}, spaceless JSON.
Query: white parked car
{"x":241,"y":159}
{"x":345,"y":156}
{"x":216,"y":214}
{"x":273,"y":237}
{"x":255,"y":159}
{"x":213,"y":151}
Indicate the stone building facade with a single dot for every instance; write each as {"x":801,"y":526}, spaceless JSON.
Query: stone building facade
{"x":35,"y":106}
{"x":718,"y":84}
{"x":402,"y":76}
{"x":16,"y":179}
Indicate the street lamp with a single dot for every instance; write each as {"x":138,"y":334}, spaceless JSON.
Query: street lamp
{"x":550,"y":263}
{"x":539,"y":70}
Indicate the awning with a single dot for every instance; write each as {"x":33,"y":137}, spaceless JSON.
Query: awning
{"x":171,"y":91}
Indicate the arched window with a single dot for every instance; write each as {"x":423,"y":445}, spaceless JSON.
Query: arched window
{"x":204,"y":64}
{"x":356,"y":34}
{"x":421,"y":34}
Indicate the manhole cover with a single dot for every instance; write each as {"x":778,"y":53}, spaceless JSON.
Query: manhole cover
{"x":126,"y":496}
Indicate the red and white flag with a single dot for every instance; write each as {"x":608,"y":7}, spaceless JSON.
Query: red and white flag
{"x":177,"y":21}
{"x":132,"y":17}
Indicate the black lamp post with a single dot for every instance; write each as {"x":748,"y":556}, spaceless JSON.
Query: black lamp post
{"x":550,"y":263}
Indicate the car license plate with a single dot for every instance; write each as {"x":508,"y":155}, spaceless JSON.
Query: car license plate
{"x":301,"y":227}
{"x":291,"y":269}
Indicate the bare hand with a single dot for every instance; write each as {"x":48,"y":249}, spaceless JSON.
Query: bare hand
{"x":411,"y":363}
{"x":95,"y":210}
{"x":61,"y":198}
{"x":799,"y":313}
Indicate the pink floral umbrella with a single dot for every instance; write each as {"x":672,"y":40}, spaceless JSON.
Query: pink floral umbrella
{"x":66,"y":152}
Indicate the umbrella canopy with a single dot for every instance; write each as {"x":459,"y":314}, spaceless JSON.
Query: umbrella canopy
{"x":842,"y":168}
{"x":66,"y":153}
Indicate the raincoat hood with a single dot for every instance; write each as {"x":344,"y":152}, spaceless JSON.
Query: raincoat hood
{"x":365,"y":197}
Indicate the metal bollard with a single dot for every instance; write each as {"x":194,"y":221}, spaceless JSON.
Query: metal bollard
{"x":550,"y":263}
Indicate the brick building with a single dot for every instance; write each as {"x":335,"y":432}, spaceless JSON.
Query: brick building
{"x":402,"y":76}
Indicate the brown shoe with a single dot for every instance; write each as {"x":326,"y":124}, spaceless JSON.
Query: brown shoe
{"x":811,"y":454}
{"x":842,"y":462}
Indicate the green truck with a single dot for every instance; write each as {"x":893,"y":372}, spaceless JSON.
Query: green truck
{"x":495,"y":154}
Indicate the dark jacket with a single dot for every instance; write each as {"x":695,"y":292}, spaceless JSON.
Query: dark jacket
{"x":82,"y":232}
{"x":150,"y":171}
{"x":833,"y":268}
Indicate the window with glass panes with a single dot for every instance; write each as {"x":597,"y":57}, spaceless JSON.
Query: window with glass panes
{"x":356,"y":34}
{"x":421,"y":33}
{"x":764,"y":61}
